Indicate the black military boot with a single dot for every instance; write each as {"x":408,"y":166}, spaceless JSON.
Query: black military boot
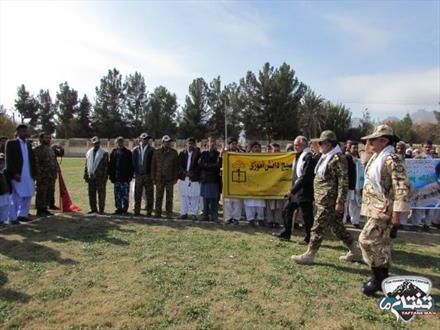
{"x":374,"y":284}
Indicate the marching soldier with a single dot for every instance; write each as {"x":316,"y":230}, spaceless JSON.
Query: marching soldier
{"x":385,"y":197}
{"x":95,"y":174}
{"x":47,"y":174}
{"x":164,"y":171}
{"x":330,"y":191}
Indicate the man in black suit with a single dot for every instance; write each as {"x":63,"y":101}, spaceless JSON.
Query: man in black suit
{"x":21,"y":170}
{"x":301,"y":193}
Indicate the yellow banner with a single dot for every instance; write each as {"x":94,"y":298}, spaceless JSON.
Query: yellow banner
{"x":257,"y":175}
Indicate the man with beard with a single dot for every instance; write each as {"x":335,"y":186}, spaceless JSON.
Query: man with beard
{"x":47,"y":174}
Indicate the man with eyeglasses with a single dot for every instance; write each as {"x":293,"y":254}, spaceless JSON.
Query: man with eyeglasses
{"x":330,"y":192}
{"x":385,"y":197}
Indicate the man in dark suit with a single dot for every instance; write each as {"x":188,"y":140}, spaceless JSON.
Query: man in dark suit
{"x":120,"y":170}
{"x":21,"y":170}
{"x":301,"y":193}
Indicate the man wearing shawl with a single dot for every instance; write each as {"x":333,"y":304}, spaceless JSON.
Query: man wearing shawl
{"x":385,"y":196}
{"x":330,"y":191}
{"x":96,"y":174}
{"x":301,"y":193}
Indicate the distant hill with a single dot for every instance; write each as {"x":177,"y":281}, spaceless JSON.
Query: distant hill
{"x":418,"y":117}
{"x":423,"y":116}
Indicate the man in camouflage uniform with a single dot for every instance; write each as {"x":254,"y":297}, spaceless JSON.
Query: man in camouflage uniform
{"x":96,"y":175}
{"x":164,"y":171}
{"x":385,"y":197}
{"x":46,"y":161}
{"x":330,"y":191}
{"x":142,"y":157}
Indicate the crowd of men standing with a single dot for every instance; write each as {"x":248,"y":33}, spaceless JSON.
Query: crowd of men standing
{"x":324,"y":188}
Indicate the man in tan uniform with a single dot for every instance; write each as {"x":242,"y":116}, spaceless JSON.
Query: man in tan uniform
{"x":385,"y":197}
{"x":330,"y":190}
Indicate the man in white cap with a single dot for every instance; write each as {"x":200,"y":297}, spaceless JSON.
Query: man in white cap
{"x":142,"y":157}
{"x":385,"y":196}
{"x":164,"y":171}
{"x":96,"y":174}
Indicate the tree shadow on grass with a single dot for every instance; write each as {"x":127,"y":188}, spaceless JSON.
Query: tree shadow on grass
{"x":63,"y":229}
{"x":29,"y":251}
{"x":9,"y":294}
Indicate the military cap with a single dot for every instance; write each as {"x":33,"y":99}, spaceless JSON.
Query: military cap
{"x":145,"y":136}
{"x":95,"y":139}
{"x":326,"y":136}
{"x":381,"y":130}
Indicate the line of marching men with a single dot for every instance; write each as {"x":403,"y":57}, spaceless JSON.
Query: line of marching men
{"x":320,"y":188}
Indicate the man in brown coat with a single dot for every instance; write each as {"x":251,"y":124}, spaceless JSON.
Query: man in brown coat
{"x":164,"y":171}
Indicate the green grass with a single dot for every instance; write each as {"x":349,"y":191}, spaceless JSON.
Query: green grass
{"x":79,"y":272}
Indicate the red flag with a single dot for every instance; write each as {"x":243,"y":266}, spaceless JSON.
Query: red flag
{"x":65,"y":201}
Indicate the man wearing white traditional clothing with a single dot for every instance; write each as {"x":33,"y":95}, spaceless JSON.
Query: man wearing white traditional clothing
{"x":96,"y":175}
{"x":189,"y":177}
{"x":254,"y":208}
{"x":21,"y":169}
{"x":232,"y":206}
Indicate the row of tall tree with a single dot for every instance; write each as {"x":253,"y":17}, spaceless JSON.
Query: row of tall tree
{"x":270,"y":104}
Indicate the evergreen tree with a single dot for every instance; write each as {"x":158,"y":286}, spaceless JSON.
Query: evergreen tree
{"x":312,"y":114}
{"x":195,"y":114}
{"x":46,"y":112}
{"x":272,"y":102}
{"x":135,"y":102}
{"x":234,"y":104}
{"x":337,"y":119}
{"x":161,"y":114}
{"x":27,"y":106}
{"x":217,"y":105}
{"x":109,"y":113}
{"x":7,"y":124}
{"x":67,"y":99}
{"x":81,"y":124}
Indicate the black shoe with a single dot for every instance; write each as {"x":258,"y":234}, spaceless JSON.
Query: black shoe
{"x":236,"y":222}
{"x":117,"y":212}
{"x":23,"y":219}
{"x":149,"y":214}
{"x":170,"y":216}
{"x":282,"y":236}
{"x":157,"y":215}
{"x":137,"y":214}
{"x":40,"y":213}
{"x":14,"y":222}
{"x":228,"y":222}
{"x":425,"y":228}
{"x":183,"y":217}
{"x":47,"y":212}
{"x":53,"y":207}
{"x":296,"y":226}
{"x":374,"y":284}
{"x":261,"y":223}
{"x":252,"y":223}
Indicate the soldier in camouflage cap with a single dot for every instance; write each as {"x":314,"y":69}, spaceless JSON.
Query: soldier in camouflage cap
{"x":46,"y":161}
{"x":330,"y":192}
{"x":385,"y":197}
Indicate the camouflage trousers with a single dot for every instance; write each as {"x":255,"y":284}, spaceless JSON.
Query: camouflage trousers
{"x":143,"y":181}
{"x":325,"y":217}
{"x":375,"y":242}
{"x":45,"y":192}
{"x":96,"y":187}
{"x":121,"y":196}
{"x":161,"y":187}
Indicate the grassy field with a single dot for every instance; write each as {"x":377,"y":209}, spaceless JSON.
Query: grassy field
{"x":83,"y":272}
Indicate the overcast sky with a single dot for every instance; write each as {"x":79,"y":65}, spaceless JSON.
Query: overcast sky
{"x":380,"y":55}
